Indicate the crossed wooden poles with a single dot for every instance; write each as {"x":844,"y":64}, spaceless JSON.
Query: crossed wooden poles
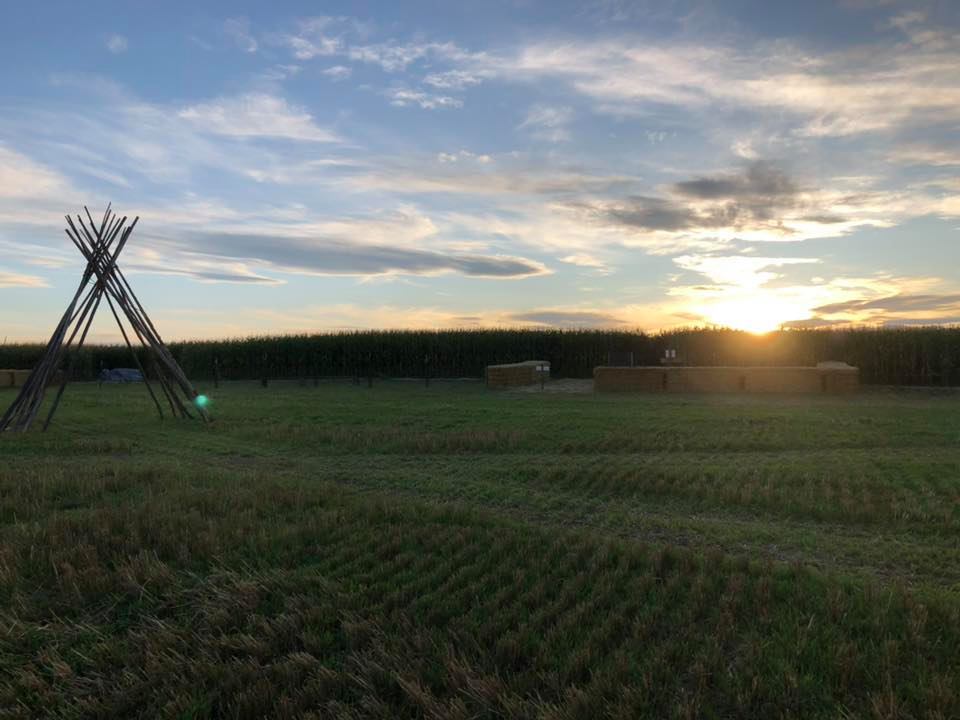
{"x":101,"y":245}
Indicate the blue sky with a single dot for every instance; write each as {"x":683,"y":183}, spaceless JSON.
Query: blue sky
{"x":316,"y":166}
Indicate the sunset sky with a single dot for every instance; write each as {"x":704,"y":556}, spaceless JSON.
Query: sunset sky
{"x":311,"y":166}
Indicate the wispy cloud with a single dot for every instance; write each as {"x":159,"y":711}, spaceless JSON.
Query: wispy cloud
{"x":14,"y":280}
{"x":548,"y":123}
{"x":395,"y":57}
{"x":337,"y":72}
{"x":566,"y":318}
{"x":847,"y":92}
{"x":586,"y":260}
{"x":403,"y":97}
{"x":256,"y":115}
{"x":453,"y":79}
{"x":21,"y":177}
{"x":238,"y":30}
{"x":117,"y":44}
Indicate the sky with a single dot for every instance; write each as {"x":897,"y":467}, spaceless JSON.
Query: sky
{"x":317,"y":166}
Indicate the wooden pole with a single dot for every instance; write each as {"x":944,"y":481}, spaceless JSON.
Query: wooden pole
{"x":101,"y":244}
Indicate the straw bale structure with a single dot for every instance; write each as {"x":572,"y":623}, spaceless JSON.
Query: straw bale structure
{"x":518,"y":374}
{"x":17,"y":378}
{"x":826,"y":378}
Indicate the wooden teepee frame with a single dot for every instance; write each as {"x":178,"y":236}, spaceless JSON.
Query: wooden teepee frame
{"x":101,"y":245}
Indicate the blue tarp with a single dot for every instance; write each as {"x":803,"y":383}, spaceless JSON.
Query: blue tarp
{"x":121,"y":375}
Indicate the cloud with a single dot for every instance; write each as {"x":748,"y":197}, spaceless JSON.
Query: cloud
{"x":896,"y":304}
{"x":117,"y":44}
{"x":312,"y":40}
{"x":12,"y":280}
{"x":860,"y":89}
{"x":238,"y":30}
{"x":480,"y":174}
{"x":759,"y":182}
{"x":211,"y":276}
{"x":463,"y":155}
{"x":759,"y":202}
{"x":738,"y":270}
{"x":878,"y":306}
{"x":548,"y":123}
{"x":651,"y":213}
{"x":22,"y":178}
{"x":394,"y":57}
{"x":926,"y":154}
{"x":256,"y":115}
{"x":337,"y":72}
{"x":742,"y":293}
{"x":403,"y":97}
{"x":327,"y":256}
{"x":453,"y":79}
{"x":585,"y":260}
{"x":566,"y":318}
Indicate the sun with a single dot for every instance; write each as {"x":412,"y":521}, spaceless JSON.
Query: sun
{"x":760,"y":314}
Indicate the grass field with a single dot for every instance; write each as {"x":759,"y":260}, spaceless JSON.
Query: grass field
{"x":347,"y":552}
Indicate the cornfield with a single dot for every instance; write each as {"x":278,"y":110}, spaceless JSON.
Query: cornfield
{"x":907,"y":356}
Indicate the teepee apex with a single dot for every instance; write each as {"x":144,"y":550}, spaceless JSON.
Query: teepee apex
{"x":102,"y":279}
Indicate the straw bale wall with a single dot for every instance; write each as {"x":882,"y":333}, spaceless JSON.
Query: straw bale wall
{"x":16,"y":378}
{"x":831,"y":380}
{"x":515,"y":374}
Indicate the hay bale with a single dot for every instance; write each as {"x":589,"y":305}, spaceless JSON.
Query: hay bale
{"x":704,"y":379}
{"x":518,"y":374}
{"x":782,"y":380}
{"x":629,"y":379}
{"x":839,"y":378}
{"x":832,"y":379}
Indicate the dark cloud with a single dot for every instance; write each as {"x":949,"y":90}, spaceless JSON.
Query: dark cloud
{"x":894,"y":304}
{"x":651,"y":213}
{"x":758,"y":195}
{"x":759,"y":179}
{"x":566,"y":318}
{"x":337,"y":257}
{"x":823,"y":219}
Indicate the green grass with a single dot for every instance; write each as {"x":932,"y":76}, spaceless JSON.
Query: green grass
{"x":448,"y":552}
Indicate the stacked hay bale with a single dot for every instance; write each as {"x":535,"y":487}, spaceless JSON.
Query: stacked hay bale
{"x":518,"y":374}
{"x":13,"y":378}
{"x":627,"y":379}
{"x":830,"y":378}
{"x":16,"y":378}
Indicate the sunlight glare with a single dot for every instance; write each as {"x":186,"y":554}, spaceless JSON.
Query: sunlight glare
{"x":759,"y":314}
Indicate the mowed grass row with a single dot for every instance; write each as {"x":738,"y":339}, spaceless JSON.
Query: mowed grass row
{"x":212,"y":594}
{"x":412,"y":552}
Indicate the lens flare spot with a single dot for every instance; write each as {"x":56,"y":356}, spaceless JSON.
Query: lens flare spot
{"x":201,"y":401}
